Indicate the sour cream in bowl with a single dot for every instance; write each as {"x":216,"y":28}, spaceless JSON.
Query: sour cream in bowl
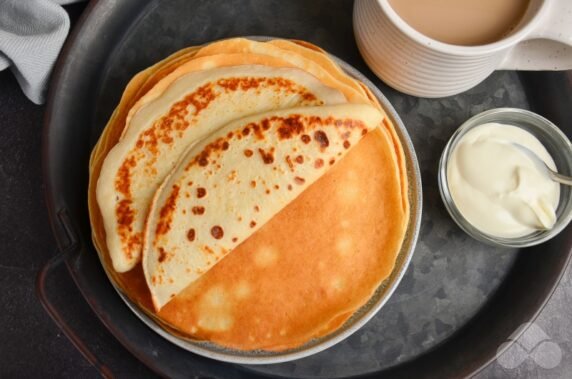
{"x":494,"y":191}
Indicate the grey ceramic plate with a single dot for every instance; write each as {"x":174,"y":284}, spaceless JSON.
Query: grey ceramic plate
{"x":362,"y":315}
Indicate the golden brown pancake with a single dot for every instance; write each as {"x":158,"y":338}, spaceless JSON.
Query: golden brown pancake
{"x":307,"y":270}
{"x":170,"y":118}
{"x":231,"y":183}
{"x":314,"y":264}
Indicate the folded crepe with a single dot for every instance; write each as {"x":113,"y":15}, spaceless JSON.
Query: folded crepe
{"x":314,"y":262}
{"x":231,"y":183}
{"x":173,"y":116}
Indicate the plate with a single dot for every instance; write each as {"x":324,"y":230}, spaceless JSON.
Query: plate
{"x":458,"y":301}
{"x":364,"y":313}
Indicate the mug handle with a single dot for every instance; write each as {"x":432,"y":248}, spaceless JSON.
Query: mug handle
{"x":549,"y":46}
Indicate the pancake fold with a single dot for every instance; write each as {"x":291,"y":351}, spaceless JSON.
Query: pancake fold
{"x":194,"y":105}
{"x":231,"y":183}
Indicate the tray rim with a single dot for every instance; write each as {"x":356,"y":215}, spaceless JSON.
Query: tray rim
{"x":62,"y":64}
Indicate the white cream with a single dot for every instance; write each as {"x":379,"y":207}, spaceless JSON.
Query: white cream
{"x":497,"y":187}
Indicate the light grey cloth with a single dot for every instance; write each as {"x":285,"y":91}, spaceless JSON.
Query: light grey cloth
{"x":32,"y":33}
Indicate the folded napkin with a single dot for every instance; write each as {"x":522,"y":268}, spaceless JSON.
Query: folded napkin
{"x":32,"y":33}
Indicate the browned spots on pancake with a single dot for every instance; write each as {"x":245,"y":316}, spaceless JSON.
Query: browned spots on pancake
{"x":257,"y":130}
{"x":162,"y":255}
{"x":252,"y":224}
{"x":290,"y":163}
{"x":201,"y":192}
{"x":298,"y":180}
{"x":256,"y":208}
{"x":276,"y":186}
{"x":243,"y":84}
{"x":300,"y":159}
{"x":208,"y":250}
{"x":290,"y":127}
{"x":354,"y":124}
{"x":290,"y":187}
{"x":167,"y":128}
{"x":277,"y":83}
{"x":125,"y":216}
{"x":285,"y":127}
{"x":347,"y":144}
{"x":332,"y":161}
{"x":198,"y":210}
{"x":217,"y":232}
{"x":203,"y":160}
{"x":201,"y":98}
{"x":309,"y":97}
{"x":363,"y":132}
{"x":319,"y":163}
{"x":267,"y":156}
{"x":191,"y":234}
{"x":166,"y":213}
{"x":253,"y":183}
{"x":234,"y":239}
{"x":123,"y":179}
{"x":268,"y":192}
{"x":322,"y":138}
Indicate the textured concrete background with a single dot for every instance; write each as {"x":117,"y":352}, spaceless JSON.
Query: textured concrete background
{"x":28,"y":335}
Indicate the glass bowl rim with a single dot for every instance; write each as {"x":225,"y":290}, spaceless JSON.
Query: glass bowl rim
{"x":508,"y":114}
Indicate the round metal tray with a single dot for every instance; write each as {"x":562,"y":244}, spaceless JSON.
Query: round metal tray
{"x":459,"y":299}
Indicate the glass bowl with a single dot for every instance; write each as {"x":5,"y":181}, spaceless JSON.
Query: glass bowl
{"x":557,"y":145}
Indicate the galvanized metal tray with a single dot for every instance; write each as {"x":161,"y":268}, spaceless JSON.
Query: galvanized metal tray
{"x":458,"y":301}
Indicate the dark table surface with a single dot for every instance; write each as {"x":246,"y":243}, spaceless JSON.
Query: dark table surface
{"x":31,"y":345}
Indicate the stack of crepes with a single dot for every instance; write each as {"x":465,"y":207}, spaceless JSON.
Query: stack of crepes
{"x":249,"y":194}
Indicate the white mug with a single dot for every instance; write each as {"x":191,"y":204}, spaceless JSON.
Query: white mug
{"x":418,"y":65}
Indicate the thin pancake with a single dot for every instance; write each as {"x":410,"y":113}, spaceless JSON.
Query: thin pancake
{"x":189,"y":108}
{"x":292,"y":231}
{"x":309,"y":268}
{"x":235,"y":180}
{"x":356,"y":232}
